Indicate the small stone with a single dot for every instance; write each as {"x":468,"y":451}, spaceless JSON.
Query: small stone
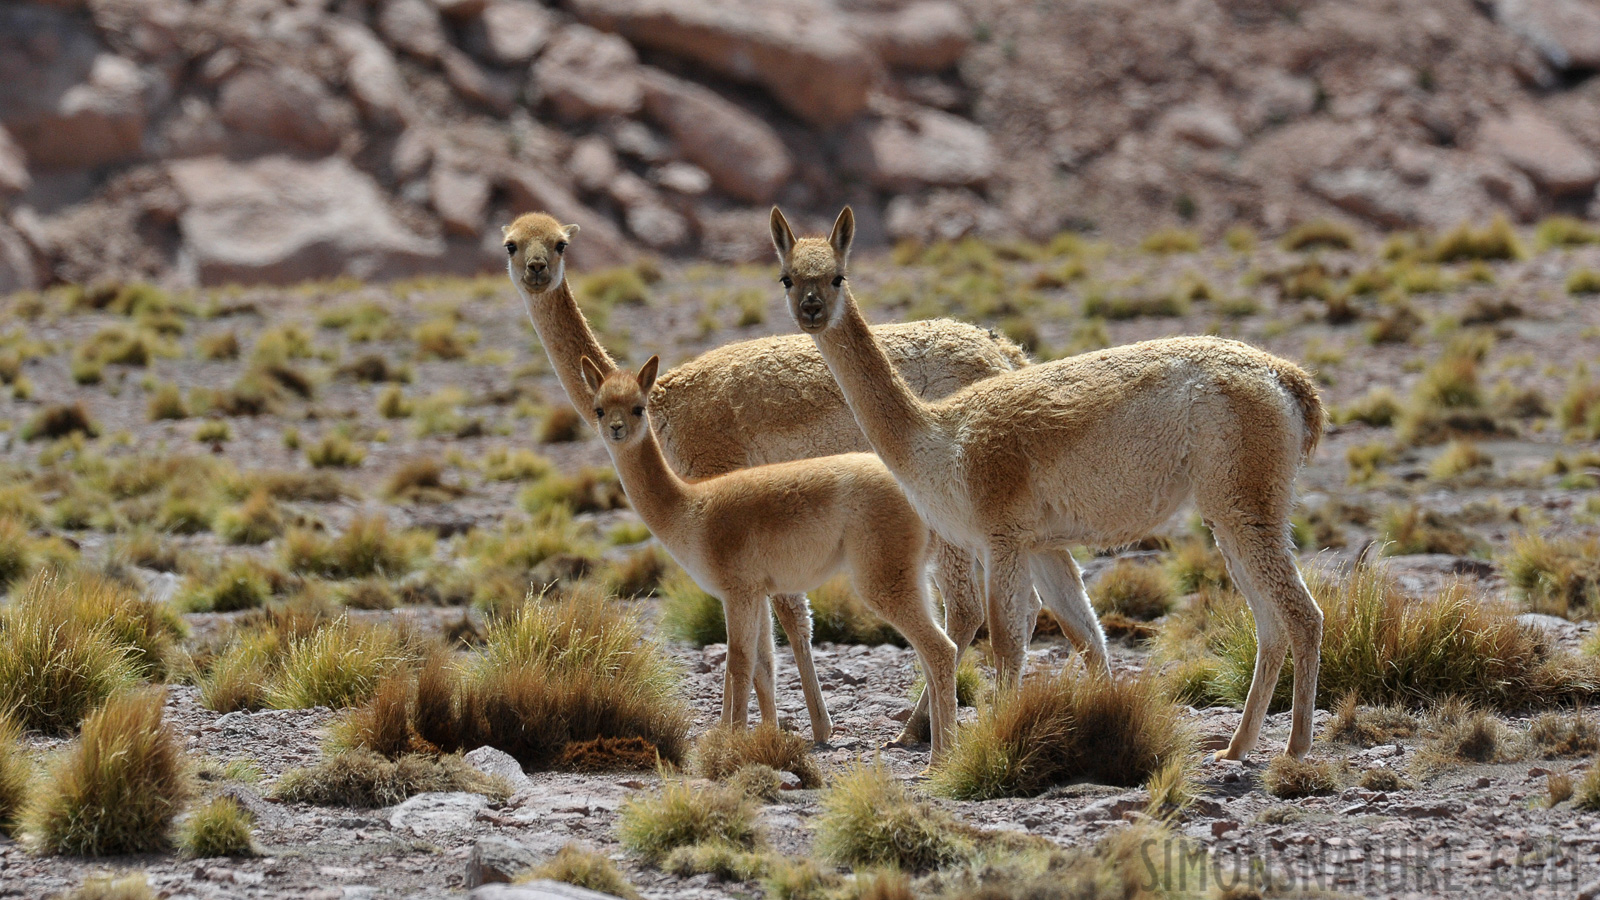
{"x":1218,"y":829}
{"x":496,"y":859}
{"x":437,"y":812}
{"x":494,"y":761}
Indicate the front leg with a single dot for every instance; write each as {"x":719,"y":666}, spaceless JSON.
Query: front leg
{"x":1010,"y":604}
{"x":794,"y":614}
{"x":765,"y":672}
{"x":743,"y":613}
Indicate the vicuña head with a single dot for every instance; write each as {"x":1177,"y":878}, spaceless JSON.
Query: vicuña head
{"x":536,"y":245}
{"x":620,"y":400}
{"x":814,"y":270}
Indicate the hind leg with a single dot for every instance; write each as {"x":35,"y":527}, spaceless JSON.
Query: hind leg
{"x":903,"y":602}
{"x":955,"y":573}
{"x":1010,"y":605}
{"x":743,"y":614}
{"x":794,"y":614}
{"x":764,"y":674}
{"x":1061,"y":587}
{"x":1286,"y":617}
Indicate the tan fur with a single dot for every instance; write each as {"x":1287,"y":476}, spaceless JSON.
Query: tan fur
{"x":1096,"y":449}
{"x":785,"y":528}
{"x":765,"y":401}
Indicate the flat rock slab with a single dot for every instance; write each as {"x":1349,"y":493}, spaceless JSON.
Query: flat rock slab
{"x":433,"y":813}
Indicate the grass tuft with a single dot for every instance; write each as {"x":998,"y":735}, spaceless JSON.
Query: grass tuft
{"x":1322,"y":234}
{"x":16,"y":774}
{"x":335,"y":451}
{"x":365,"y":780}
{"x":367,"y":547}
{"x":682,"y":815}
{"x":722,"y":752}
{"x":338,"y":665}
{"x":1554,"y":735}
{"x":1138,"y":590}
{"x":690,"y":614}
{"x":219,"y":828}
{"x":1498,"y":240}
{"x":117,"y":789}
{"x":577,"y":865}
{"x":871,"y":820}
{"x":133,"y":886}
{"x":1368,"y":726}
{"x":1288,"y":778}
{"x":55,"y":422}
{"x":1556,"y":576}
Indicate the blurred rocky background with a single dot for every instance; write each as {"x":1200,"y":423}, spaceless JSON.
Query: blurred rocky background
{"x":216,"y":141}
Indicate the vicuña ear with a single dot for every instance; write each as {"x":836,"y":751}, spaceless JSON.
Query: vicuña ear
{"x":782,"y":234}
{"x":647,"y":374}
{"x":592,"y":376}
{"x":569,"y":231}
{"x":505,"y":230}
{"x":844,"y":234}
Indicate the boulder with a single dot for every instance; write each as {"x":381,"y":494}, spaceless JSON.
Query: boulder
{"x":1531,"y":142}
{"x":919,"y":147}
{"x":493,"y":92}
{"x":413,"y":26}
{"x":805,"y":55}
{"x":683,"y":178}
{"x":924,"y":36}
{"x":437,"y":812}
{"x":649,"y":220}
{"x":587,"y":74}
{"x":1204,"y":126}
{"x":741,"y":153}
{"x":541,"y":889}
{"x":592,"y":163}
{"x":498,"y":860}
{"x":461,"y":10}
{"x":1565,"y":32}
{"x":516,"y":30}
{"x":80,"y":109}
{"x":284,"y":108}
{"x":600,"y":243}
{"x":17,"y":271}
{"x":461,"y":199}
{"x":281,"y":220}
{"x":1377,"y":195}
{"x":14,"y":176}
{"x":492,"y":761}
{"x":371,"y":73}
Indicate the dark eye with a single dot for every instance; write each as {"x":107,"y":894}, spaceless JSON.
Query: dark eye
{"x":561,"y":246}
{"x":511,"y":248}
{"x":838,"y":280}
{"x":599,"y":413}
{"x":638,"y":410}
{"x":787,"y":282}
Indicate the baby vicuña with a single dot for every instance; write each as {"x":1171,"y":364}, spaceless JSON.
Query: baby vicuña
{"x":780,"y":528}
{"x":1097,"y":449}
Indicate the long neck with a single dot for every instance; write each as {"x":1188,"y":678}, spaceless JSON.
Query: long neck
{"x":567,"y":340}
{"x":891,"y":416}
{"x":657,"y":493}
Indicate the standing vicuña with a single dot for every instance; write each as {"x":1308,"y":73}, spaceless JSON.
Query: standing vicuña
{"x":785,"y":527}
{"x":1095,"y":449}
{"x":763,"y":401}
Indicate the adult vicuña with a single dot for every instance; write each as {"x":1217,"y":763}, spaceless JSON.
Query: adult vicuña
{"x":764,"y":401}
{"x":784,"y":527}
{"x":1094,"y":449}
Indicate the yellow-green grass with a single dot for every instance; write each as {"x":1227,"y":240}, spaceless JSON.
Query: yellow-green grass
{"x":1320,"y":234}
{"x":838,"y":616}
{"x":16,"y":774}
{"x":364,"y":779}
{"x":682,"y":815}
{"x":133,"y":886}
{"x":724,"y":751}
{"x":1558,"y":576}
{"x":117,"y":789}
{"x":366,"y":547}
{"x":1288,"y":778}
{"x":871,"y":820}
{"x":338,"y":665}
{"x":1063,"y":727}
{"x":1554,"y":735}
{"x":1579,"y":412}
{"x":335,"y":451}
{"x":59,"y":421}
{"x":580,"y":866}
{"x":1138,"y":590}
{"x":1408,"y":529}
{"x":219,"y":827}
{"x":1583,"y":282}
{"x":1497,"y":241}
{"x":690,"y":614}
{"x":255,"y":521}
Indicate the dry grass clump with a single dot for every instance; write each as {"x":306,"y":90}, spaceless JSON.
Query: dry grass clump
{"x":608,"y":287}
{"x":16,"y":774}
{"x":1383,"y":647}
{"x":593,"y":489}
{"x":1196,"y":565}
{"x":1321,"y":234}
{"x":223,"y":345}
{"x":1165,"y":241}
{"x":255,"y":521}
{"x":1098,"y":303}
{"x":1383,"y":778}
{"x":1447,"y":402}
{"x":1138,"y":590}
{"x":374,"y":368}
{"x":59,"y":421}
{"x":421,"y":480}
{"x":219,"y":828}
{"x":689,"y":614}
{"x":242,"y":673}
{"x":562,"y":425}
{"x":1288,"y":778}
{"x":393,"y":404}
{"x":515,"y":465}
{"x":16,"y":551}
{"x":1378,"y":407}
{"x":682,"y":815}
{"x":1460,"y":732}
{"x":338,"y":665}
{"x":438,"y":339}
{"x":838,"y":616}
{"x":1062,"y":727}
{"x":133,"y":886}
{"x":363,"y":779}
{"x":1458,"y":459}
{"x":1409,"y":529}
{"x":167,"y":403}
{"x":335,"y":451}
{"x":870,"y":820}
{"x":1496,"y":241}
{"x":639,"y":573}
{"x":1564,"y":231}
{"x":1556,"y":576}
{"x":1553,"y":735}
{"x":1588,"y":790}
{"x":367,"y":547}
{"x":1579,"y":412}
{"x":722,"y":752}
{"x":1583,"y":282}
{"x":117,"y":789}
{"x":238,"y":584}
{"x":1368,"y":726}
{"x":215,"y":431}
{"x":578,"y":865}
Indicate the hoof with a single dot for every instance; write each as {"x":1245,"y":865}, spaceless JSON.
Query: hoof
{"x":1209,"y":743}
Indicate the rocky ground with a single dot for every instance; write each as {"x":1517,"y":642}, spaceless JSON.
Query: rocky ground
{"x":1481,"y":827}
{"x":213,"y":141}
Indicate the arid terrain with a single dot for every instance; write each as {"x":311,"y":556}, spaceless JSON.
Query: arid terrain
{"x":339,"y":493}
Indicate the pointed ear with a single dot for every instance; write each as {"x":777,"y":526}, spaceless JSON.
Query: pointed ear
{"x":592,"y":375}
{"x":844,"y":234}
{"x":782,"y":235}
{"x":505,"y":230}
{"x":647,"y":375}
{"x":569,"y":231}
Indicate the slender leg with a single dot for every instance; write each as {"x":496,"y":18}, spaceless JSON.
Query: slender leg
{"x":794,"y":614}
{"x":1010,"y":605}
{"x":764,"y":674}
{"x":743,"y":614}
{"x":955,"y":573}
{"x":1061,"y":586}
{"x":904,"y":604}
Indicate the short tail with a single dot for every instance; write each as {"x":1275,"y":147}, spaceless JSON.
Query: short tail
{"x":1300,"y":386}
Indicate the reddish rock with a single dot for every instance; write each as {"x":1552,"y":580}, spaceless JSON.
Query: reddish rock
{"x":806,"y":56}
{"x":414,"y":27}
{"x":281,"y":220}
{"x":371,"y":73}
{"x":1204,"y":126}
{"x":925,"y":36}
{"x":1534,"y":144}
{"x":741,"y":153}
{"x":14,"y":176}
{"x":1565,"y":32}
{"x":600,"y":244}
{"x":284,"y":107}
{"x":461,"y":10}
{"x":475,"y":85}
{"x":461,"y":199}
{"x":919,"y":147}
{"x":98,"y":121}
{"x":516,"y":30}
{"x":587,"y":74}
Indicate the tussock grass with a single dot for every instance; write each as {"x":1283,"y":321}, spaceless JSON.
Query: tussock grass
{"x":562,"y":425}
{"x":1164,"y":241}
{"x":1366,"y":460}
{"x":367,"y":547}
{"x":363,"y":779}
{"x":683,"y":815}
{"x":1498,"y":240}
{"x":578,"y":865}
{"x":1321,"y":234}
{"x":223,"y":345}
{"x":1063,"y":727}
{"x":117,"y":789}
{"x":215,"y":431}
{"x":335,"y":451}
{"x":722,"y":752}
{"x":1138,"y":590}
{"x":338,"y":665}
{"x":16,"y":551}
{"x":1196,"y":565}
{"x":255,"y":521}
{"x":393,"y":404}
{"x":1564,"y":231}
{"x":1554,"y":735}
{"x":593,"y":489}
{"x":1408,"y":529}
{"x":167,"y":403}
{"x":372,"y":368}
{"x":421,"y":480}
{"x":1581,"y":282}
{"x":1579,"y":412}
{"x":1556,"y":576}
{"x":1588,"y":790}
{"x":1368,"y":726}
{"x":438,"y":339}
{"x":689,"y":614}
{"x":133,"y":886}
{"x":1460,"y":732}
{"x":1288,"y":778}
{"x":515,"y":465}
{"x":1383,"y":778}
{"x":1385,"y":648}
{"x":838,"y":616}
{"x":871,"y":820}
{"x":221,"y":827}
{"x":639,"y":574}
{"x":242,"y":673}
{"x":609,"y":287}
{"x":16,"y":774}
{"x":1459,"y":458}
{"x":59,"y":421}
{"x":724,"y":861}
{"x":239,"y":584}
